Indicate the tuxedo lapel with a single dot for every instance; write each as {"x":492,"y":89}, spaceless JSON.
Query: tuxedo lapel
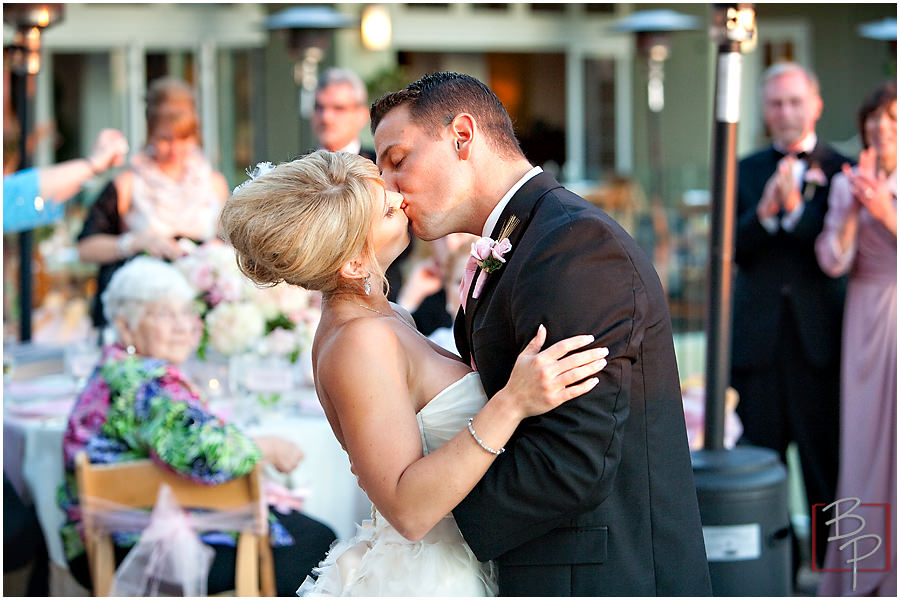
{"x":522,"y":205}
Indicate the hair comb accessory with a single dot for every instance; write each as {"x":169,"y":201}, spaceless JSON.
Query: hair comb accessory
{"x":258,"y":171}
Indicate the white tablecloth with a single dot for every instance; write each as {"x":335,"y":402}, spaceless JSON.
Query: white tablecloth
{"x":33,"y":459}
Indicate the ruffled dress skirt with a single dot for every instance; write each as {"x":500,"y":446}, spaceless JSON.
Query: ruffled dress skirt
{"x":378,"y":561}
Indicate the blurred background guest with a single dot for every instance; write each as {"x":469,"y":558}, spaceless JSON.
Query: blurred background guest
{"x":34,"y":197}
{"x":340,"y":112}
{"x":453,"y":269}
{"x":23,"y":544}
{"x":787,"y":312}
{"x":860,"y":238}
{"x":424,"y":291}
{"x":169,"y":192}
{"x":139,"y":404}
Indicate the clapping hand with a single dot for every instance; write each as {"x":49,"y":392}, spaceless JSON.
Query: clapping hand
{"x":424,"y":279}
{"x":109,"y":150}
{"x":781,"y":190}
{"x":870,"y":189}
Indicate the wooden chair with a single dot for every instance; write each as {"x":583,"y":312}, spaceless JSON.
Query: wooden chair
{"x":136,"y":484}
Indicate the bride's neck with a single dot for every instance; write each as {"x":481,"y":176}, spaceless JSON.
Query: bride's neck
{"x":373,"y":301}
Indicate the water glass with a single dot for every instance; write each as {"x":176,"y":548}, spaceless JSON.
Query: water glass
{"x":80,"y":359}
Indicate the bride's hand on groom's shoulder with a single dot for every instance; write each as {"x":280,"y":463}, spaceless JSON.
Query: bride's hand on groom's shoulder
{"x":541,"y":380}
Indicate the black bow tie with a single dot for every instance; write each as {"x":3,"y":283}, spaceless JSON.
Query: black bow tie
{"x":779,"y":154}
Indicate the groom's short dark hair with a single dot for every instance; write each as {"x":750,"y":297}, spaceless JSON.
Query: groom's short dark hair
{"x":434,"y":100}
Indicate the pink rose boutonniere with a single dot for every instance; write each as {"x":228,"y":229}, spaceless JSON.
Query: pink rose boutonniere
{"x":488,"y":253}
{"x":813,"y":178}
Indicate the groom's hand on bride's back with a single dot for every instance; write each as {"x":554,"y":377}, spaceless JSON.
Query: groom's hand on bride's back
{"x":541,"y":380}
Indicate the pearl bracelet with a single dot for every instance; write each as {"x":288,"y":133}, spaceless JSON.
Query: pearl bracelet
{"x":480,"y":443}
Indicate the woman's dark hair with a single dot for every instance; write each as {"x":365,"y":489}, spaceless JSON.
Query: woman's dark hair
{"x":883,"y":96}
{"x":434,"y":100}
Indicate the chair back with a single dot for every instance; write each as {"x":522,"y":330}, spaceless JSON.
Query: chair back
{"x":136,"y":484}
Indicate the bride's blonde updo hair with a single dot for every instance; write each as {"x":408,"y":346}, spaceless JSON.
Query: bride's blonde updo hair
{"x":303,"y":220}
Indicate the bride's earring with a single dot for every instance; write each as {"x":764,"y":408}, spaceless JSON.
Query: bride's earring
{"x":367,"y":287}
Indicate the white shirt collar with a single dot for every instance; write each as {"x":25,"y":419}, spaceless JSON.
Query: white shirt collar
{"x":807,"y":145}
{"x":353,"y":147}
{"x":495,"y":214}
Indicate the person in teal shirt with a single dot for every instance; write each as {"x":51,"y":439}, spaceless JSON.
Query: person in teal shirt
{"x":34,"y":197}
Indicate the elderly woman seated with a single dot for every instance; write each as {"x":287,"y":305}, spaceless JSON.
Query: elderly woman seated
{"x":138,"y":404}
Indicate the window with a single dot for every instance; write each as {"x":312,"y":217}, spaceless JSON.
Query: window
{"x":599,"y":117}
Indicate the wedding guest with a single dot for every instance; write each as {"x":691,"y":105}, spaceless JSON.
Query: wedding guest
{"x":35,"y":196}
{"x":340,"y":112}
{"x":23,"y":544}
{"x":860,"y":238}
{"x":424,"y":291}
{"x":169,"y":191}
{"x":139,"y":404}
{"x":787,"y":312}
{"x":453,"y":271}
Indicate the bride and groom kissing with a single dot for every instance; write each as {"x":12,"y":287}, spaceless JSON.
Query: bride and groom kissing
{"x":516,"y":470}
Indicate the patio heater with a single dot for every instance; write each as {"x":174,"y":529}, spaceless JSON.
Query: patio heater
{"x":310,"y":31}
{"x":29,"y":21}
{"x":742,"y":493}
{"x":884,"y":30}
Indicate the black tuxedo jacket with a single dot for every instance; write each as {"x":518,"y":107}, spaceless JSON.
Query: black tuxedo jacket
{"x":596,"y":497}
{"x":782,"y":267}
{"x":367,"y":153}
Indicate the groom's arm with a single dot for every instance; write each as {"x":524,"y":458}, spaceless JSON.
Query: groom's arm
{"x":563,"y":463}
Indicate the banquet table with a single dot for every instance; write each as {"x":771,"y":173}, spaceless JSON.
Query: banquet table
{"x":35,"y":412}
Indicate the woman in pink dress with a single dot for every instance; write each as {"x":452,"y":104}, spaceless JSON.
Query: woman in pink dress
{"x":860,"y":238}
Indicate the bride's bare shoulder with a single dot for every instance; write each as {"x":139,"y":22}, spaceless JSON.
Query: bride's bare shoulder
{"x":359,"y":346}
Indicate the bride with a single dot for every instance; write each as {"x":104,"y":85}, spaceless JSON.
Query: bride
{"x":413,"y":418}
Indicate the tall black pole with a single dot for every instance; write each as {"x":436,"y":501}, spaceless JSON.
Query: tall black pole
{"x":23,"y":88}
{"x":722,"y":217}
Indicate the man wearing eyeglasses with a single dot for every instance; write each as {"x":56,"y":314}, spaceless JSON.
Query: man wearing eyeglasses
{"x":341,"y":112}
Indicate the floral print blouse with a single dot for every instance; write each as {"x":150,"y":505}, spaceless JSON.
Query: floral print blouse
{"x":137,"y":407}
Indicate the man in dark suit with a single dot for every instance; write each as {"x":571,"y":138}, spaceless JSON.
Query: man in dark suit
{"x":787,"y":313}
{"x":596,"y":497}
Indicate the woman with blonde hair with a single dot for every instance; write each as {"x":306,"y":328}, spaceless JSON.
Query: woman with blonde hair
{"x":414,"y":419}
{"x":170,"y":191}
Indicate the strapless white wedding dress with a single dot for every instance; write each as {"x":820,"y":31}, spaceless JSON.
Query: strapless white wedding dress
{"x":378,"y":561}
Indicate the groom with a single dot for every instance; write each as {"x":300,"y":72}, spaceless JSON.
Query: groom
{"x":596,"y":497}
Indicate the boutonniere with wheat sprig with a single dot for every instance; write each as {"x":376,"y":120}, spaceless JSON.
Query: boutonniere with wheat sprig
{"x":489,"y":253}
{"x":813,"y":178}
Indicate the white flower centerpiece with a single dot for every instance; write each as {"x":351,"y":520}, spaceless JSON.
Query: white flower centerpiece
{"x":246,"y":323}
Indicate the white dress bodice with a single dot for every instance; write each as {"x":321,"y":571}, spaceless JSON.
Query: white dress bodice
{"x":380,"y":562}
{"x":447,"y":413}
